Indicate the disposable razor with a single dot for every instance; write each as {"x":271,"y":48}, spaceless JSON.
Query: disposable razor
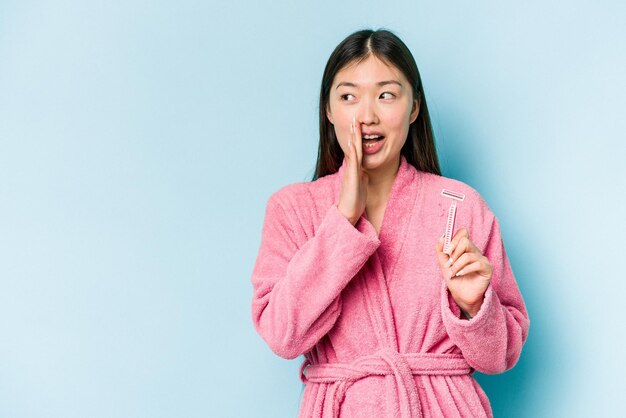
{"x":456,"y":197}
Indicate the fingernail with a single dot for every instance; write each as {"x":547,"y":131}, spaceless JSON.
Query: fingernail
{"x":450,"y":262}
{"x":460,"y":273}
{"x":442,"y":236}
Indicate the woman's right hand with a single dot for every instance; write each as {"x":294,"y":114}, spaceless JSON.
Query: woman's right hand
{"x":354,"y":183}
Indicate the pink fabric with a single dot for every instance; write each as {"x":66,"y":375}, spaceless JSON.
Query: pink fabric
{"x":381,"y":335}
{"x":383,"y":363}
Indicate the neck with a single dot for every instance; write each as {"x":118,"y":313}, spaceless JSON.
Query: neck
{"x":380,"y":182}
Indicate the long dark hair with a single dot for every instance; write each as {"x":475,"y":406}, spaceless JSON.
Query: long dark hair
{"x":419,"y":148}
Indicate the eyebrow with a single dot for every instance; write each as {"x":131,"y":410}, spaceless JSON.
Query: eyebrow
{"x":380,"y":83}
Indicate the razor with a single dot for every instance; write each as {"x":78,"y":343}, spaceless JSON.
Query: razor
{"x":455,"y":197}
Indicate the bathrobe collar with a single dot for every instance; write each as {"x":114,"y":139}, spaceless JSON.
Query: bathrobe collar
{"x":401,"y":207}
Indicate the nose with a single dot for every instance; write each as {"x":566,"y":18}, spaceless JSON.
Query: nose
{"x":367,"y":114}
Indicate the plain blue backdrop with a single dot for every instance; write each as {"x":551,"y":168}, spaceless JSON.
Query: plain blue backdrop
{"x":140,"y":140}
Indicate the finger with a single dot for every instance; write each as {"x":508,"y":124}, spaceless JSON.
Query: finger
{"x":463,"y":232}
{"x":454,"y":242}
{"x":475,"y":267}
{"x":358,"y":140}
{"x":351,"y":138}
{"x":441,"y":256}
{"x":459,"y":249}
{"x":440,"y":242}
{"x":350,"y":142}
{"x":463,"y":261}
{"x":463,"y":246}
{"x":352,"y":161}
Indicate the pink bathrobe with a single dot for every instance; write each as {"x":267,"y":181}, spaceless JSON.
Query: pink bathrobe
{"x":381,"y":335}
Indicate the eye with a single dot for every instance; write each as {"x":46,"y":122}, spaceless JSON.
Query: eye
{"x":387,"y":95}
{"x":346,"y":97}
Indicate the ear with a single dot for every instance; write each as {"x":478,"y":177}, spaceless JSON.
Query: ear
{"x":329,"y":114}
{"x":414,"y":111}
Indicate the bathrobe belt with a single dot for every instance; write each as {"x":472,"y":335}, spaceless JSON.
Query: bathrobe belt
{"x":384,"y":362}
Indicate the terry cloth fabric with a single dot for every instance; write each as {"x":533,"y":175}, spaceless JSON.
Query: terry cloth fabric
{"x":381,"y":334}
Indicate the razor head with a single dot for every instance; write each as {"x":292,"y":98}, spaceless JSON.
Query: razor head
{"x":453,"y":195}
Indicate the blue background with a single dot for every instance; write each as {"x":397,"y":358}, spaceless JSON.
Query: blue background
{"x":140,"y":140}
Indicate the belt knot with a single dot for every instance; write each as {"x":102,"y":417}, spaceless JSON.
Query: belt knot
{"x":385,"y":362}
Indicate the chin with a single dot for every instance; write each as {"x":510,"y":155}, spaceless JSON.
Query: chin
{"x":378,"y":161}
{"x":369,"y":163}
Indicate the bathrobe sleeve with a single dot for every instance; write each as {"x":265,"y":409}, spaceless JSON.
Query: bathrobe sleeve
{"x":298,"y":276}
{"x":491,"y":342}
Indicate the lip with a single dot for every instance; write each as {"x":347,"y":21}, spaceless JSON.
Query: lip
{"x":377,"y":133}
{"x":373,"y":150}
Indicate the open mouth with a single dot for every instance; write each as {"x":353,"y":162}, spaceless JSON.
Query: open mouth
{"x":370,"y":141}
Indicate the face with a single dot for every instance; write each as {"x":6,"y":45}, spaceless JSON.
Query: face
{"x":381,"y":99}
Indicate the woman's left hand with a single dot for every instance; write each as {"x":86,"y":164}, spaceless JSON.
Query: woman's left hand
{"x":467,"y":272}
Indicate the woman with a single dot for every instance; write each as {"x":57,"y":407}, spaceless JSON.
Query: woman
{"x":352,"y":272}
